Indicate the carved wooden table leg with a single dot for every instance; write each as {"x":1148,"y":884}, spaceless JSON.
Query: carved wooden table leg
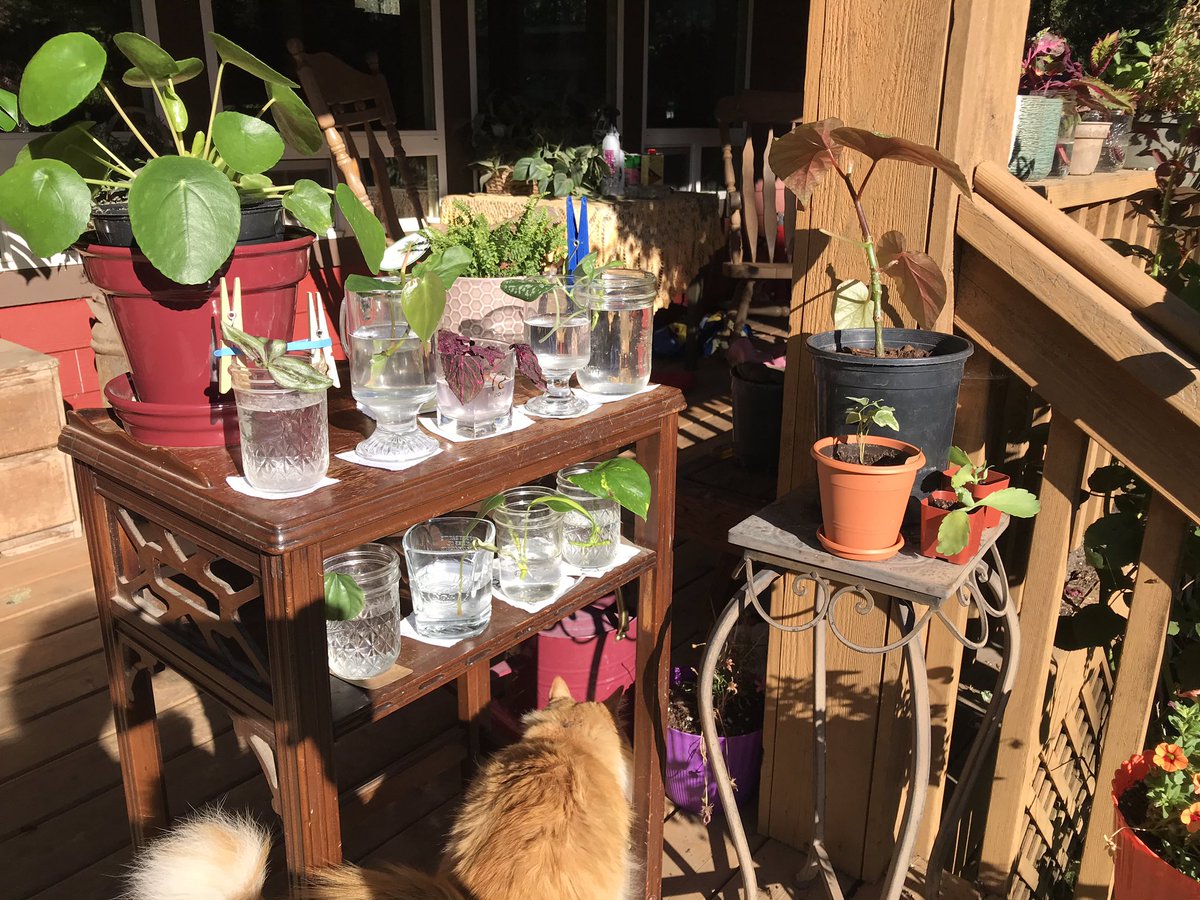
{"x":308,"y":801}
{"x":129,"y":678}
{"x":657,"y":455}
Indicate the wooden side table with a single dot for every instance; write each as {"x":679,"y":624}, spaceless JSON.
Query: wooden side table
{"x":227,"y":590}
{"x":782,"y":538}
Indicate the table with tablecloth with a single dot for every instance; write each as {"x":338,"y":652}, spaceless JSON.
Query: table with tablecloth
{"x":674,"y":234}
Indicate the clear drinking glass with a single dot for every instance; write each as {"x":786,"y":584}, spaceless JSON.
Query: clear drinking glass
{"x":285,"y":433}
{"x":450,"y":575}
{"x":588,"y":544}
{"x":621,"y":303}
{"x":557,"y":329}
{"x":491,"y":409}
{"x":368,"y":644}
{"x":391,"y":373}
{"x":530,"y":545}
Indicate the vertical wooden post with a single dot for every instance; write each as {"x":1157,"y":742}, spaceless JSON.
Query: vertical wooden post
{"x":1137,"y":679}
{"x":1020,"y":735}
{"x":308,"y":799}
{"x":657,"y":454}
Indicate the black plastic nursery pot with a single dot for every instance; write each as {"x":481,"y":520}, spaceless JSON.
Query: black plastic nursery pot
{"x":262,"y":221}
{"x":923,"y":391}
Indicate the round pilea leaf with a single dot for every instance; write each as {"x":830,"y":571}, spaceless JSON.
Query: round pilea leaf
{"x":61,"y":74}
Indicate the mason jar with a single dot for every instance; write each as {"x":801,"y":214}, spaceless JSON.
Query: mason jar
{"x":529,"y":540}
{"x":622,"y":307}
{"x":588,"y":544}
{"x":368,"y":644}
{"x":284,"y":432}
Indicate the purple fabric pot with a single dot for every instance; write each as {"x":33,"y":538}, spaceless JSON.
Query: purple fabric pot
{"x":685,"y":768}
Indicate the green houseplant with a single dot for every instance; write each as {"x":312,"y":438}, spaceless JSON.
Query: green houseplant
{"x":916,"y":371}
{"x":560,"y":171}
{"x":865,"y":482}
{"x":186,"y":213}
{"x":527,"y":245}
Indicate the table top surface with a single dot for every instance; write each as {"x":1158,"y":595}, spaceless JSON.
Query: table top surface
{"x":366,"y":502}
{"x":786,"y":532}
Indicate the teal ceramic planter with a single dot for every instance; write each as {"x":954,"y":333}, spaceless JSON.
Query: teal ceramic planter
{"x":1036,"y":137}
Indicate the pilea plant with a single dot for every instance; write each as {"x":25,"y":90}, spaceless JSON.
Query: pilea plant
{"x":955,"y":531}
{"x":804,"y":156}
{"x":865,"y":413}
{"x":467,"y":364}
{"x":185,"y":209}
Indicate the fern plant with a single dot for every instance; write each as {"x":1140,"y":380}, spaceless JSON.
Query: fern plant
{"x":526,"y":245}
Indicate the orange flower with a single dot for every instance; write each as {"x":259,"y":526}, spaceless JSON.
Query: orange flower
{"x":1170,"y":757}
{"x":1191,"y":818}
{"x":1196,"y":783}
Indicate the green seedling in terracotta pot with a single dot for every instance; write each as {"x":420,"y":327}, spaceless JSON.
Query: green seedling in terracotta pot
{"x":954,"y":533}
{"x":866,"y":413}
{"x":185,"y":207}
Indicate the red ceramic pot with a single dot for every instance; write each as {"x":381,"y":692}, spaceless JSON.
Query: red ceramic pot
{"x":931,"y":521}
{"x":1138,"y":872}
{"x":168,"y":328}
{"x":995,"y":481}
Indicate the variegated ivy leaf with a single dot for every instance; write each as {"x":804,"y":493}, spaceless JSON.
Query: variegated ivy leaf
{"x":296,"y":374}
{"x":251,"y":347}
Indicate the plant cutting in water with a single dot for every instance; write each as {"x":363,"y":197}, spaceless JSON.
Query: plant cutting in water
{"x":185,"y":208}
{"x":533,"y":288}
{"x":344,"y":599}
{"x":290,"y":372}
{"x":866,"y":413}
{"x":804,"y":156}
{"x":955,"y":531}
{"x":468,"y":365}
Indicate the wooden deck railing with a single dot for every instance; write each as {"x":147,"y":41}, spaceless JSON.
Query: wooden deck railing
{"x":1117,"y":358}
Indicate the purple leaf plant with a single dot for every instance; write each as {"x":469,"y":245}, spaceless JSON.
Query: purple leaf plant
{"x":467,"y":364}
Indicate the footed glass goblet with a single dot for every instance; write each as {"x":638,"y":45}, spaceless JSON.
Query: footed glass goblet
{"x":391,"y":374}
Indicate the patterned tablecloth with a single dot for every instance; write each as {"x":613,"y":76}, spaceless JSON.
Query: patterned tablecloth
{"x":673,"y":235}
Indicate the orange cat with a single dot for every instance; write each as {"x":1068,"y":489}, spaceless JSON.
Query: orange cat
{"x":546,"y":817}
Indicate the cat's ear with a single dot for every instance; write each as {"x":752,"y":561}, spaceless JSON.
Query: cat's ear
{"x":559,"y":689}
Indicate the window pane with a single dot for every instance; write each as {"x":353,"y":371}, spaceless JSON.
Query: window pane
{"x":545,"y":68}
{"x":399,"y":31}
{"x":696,"y":57}
{"x":27,"y":24}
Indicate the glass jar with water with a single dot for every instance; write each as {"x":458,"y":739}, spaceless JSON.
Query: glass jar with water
{"x":588,"y":544}
{"x":368,"y":644}
{"x":621,"y":302}
{"x":529,"y":540}
{"x":391,"y":373}
{"x":450,"y":575}
{"x":284,"y":432}
{"x":556,"y":327}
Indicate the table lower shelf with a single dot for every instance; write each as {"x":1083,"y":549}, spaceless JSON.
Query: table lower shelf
{"x":433,"y":666}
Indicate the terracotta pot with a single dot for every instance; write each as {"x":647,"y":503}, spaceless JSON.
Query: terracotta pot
{"x":931,"y":521}
{"x":1089,"y":142}
{"x":167,"y":328}
{"x":862,"y":506}
{"x":995,"y":481}
{"x":1138,"y":872}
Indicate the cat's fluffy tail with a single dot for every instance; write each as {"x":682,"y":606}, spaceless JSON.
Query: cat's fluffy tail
{"x":218,"y":856}
{"x":211,"y":856}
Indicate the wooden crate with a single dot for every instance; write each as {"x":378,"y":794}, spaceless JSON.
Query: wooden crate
{"x":35,"y":478}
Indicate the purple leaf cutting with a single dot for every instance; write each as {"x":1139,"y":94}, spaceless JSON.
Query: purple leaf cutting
{"x":467,"y":364}
{"x":527,"y":365}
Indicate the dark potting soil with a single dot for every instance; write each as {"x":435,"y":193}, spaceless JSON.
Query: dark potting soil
{"x":740,"y":713}
{"x":943,"y":504}
{"x":1134,"y":807}
{"x":873,"y":455}
{"x":908,"y":351}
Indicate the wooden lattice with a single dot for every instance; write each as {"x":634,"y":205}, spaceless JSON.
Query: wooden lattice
{"x":204,"y":597}
{"x":1065,"y":780}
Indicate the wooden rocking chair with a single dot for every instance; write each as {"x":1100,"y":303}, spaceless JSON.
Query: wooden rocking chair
{"x":753,"y":254}
{"x":344,"y":101}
